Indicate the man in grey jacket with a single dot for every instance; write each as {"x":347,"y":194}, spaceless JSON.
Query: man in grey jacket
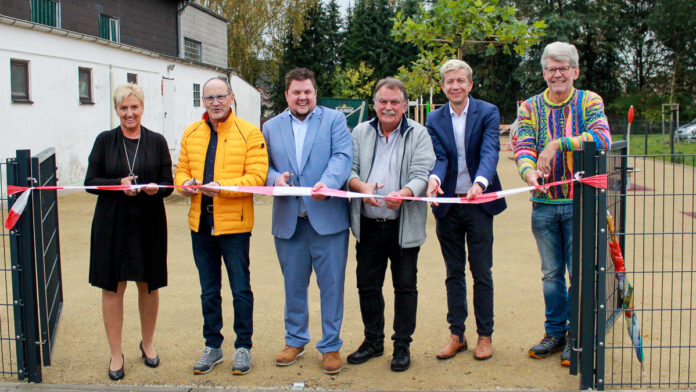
{"x":392,"y":157}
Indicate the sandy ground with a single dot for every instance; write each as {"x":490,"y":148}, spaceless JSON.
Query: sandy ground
{"x":80,"y":355}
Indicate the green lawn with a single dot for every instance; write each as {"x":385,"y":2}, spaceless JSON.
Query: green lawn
{"x":685,"y":151}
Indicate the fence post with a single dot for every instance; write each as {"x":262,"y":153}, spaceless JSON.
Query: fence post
{"x":575,"y":269}
{"x":587,"y":271}
{"x":24,"y":278}
{"x":601,"y":273}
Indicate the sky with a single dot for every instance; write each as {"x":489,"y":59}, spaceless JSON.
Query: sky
{"x":344,"y":5}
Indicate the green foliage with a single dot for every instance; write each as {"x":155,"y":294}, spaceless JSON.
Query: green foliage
{"x":316,"y":48}
{"x":474,"y":30}
{"x":656,"y":145}
{"x":420,"y":78}
{"x":454,"y":27}
{"x":353,"y":82}
{"x":674,"y":25}
{"x":256,"y":30}
{"x":590,"y":26}
{"x":369,"y":40}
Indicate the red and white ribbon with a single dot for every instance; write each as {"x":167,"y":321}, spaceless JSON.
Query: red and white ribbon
{"x":17,"y":209}
{"x":598,"y":181}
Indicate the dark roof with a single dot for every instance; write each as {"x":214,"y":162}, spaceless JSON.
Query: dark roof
{"x":207,"y":11}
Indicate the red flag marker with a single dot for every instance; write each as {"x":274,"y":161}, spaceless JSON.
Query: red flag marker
{"x":17,"y":209}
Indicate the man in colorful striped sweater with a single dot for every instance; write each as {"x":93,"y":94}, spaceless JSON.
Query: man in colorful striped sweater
{"x":552,"y":125}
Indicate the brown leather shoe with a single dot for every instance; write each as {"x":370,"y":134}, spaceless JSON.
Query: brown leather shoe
{"x":289,"y":355}
{"x":452,"y":347}
{"x":331,"y":362}
{"x":484,"y":348}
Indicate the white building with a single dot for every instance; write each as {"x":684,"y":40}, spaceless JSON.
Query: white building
{"x":70,"y":78}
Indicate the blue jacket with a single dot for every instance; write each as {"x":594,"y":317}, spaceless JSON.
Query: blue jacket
{"x":482,"y":142}
{"x":327,"y":157}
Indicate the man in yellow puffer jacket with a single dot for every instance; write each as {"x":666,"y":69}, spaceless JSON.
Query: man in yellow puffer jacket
{"x":222,"y":150}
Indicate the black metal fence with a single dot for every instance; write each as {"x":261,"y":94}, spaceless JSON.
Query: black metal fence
{"x":8,"y":352}
{"x":47,"y":249}
{"x":33,"y":276}
{"x":636,"y":328}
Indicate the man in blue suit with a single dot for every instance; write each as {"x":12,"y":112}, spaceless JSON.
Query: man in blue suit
{"x":466,"y":143}
{"x":310,"y":145}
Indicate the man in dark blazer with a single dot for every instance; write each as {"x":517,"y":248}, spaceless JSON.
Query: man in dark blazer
{"x":466,"y":143}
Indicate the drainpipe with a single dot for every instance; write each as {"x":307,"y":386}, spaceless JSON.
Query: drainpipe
{"x":111,"y":96}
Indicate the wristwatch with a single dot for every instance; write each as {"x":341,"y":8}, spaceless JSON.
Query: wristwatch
{"x":481,"y":184}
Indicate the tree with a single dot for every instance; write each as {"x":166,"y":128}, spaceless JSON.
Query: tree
{"x":369,"y":40}
{"x":316,"y":48}
{"x":453,"y":27}
{"x":256,"y":30}
{"x":589,"y":25}
{"x":353,"y":82}
{"x":470,"y":29}
{"x":674,"y":24}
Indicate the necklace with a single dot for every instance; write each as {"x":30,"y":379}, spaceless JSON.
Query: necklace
{"x":131,"y":166}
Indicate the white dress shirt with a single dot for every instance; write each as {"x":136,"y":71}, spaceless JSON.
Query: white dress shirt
{"x":464,"y":182}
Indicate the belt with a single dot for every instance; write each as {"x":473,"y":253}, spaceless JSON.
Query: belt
{"x":460,"y":195}
{"x":209,"y":208}
{"x":381,"y":220}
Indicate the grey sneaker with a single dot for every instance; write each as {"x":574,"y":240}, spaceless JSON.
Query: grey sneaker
{"x":210,"y":358}
{"x":242,"y":362}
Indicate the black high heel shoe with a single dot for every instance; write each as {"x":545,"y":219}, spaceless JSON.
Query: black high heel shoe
{"x":117,"y":374}
{"x":151,"y":362}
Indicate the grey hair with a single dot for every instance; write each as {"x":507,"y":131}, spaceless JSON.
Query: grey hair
{"x":126,"y":90}
{"x":391,"y":83}
{"x":454,"y":65}
{"x":561,"y":51}
{"x":222,"y":79}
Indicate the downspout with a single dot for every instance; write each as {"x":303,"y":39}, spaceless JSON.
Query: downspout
{"x":111,"y":96}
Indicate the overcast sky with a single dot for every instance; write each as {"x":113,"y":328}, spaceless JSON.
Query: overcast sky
{"x":344,"y":5}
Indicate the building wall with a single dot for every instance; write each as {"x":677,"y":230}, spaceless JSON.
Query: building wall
{"x":16,"y":8}
{"x":210,"y":31}
{"x":151,"y":25}
{"x":57,"y":119}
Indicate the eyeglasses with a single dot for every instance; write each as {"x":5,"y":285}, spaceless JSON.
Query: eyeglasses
{"x":562,"y":70}
{"x":209,"y":99}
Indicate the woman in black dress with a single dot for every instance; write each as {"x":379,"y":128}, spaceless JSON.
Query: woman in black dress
{"x":129,"y":230}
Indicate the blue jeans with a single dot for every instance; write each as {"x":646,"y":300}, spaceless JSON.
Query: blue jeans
{"x":234,"y":250}
{"x":552,"y":225}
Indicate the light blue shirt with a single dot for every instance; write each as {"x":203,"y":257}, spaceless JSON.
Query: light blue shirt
{"x":299,"y":131}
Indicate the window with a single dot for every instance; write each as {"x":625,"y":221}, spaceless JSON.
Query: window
{"x":46,"y":12}
{"x":85,"y":85}
{"x":132,"y":78}
{"x":196,"y":95}
{"x":109,"y":28}
{"x":192,"y":50}
{"x":19,"y":75}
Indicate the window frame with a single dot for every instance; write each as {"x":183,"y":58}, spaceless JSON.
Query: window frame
{"x":34,"y":16}
{"x":109,"y":28}
{"x":196,"y":95}
{"x":199,"y":47}
{"x":25,"y":98}
{"x":85,"y":100}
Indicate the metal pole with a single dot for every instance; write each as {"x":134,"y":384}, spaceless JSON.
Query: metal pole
{"x":601,"y":274}
{"x":587,"y":268}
